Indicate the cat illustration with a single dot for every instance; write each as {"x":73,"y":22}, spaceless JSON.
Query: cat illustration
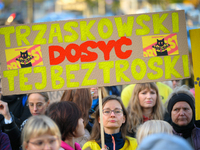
{"x":161,"y":47}
{"x":25,"y":59}
{"x":160,"y":42}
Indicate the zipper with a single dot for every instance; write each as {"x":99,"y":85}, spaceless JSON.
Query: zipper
{"x":113,"y":141}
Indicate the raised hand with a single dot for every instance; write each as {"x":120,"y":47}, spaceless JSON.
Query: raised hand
{"x":4,"y":110}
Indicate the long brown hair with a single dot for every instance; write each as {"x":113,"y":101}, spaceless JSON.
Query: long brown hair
{"x":82,"y":97}
{"x":135,"y":110}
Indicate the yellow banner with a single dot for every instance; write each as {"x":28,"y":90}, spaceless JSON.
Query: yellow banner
{"x":195,"y":39}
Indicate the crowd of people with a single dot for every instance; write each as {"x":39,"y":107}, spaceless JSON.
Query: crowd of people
{"x":142,"y":116}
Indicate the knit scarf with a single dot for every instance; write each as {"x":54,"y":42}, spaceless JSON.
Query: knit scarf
{"x":184,"y":131}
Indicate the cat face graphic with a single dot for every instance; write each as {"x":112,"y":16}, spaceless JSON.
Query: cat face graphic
{"x":160,"y":42}
{"x":24,"y":54}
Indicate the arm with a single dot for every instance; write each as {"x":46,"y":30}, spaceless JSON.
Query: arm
{"x":14,"y":134}
{"x":11,"y":128}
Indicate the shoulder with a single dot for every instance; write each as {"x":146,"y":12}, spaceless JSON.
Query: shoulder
{"x":77,"y":146}
{"x":131,"y":139}
{"x":3,"y":136}
{"x":4,"y":141}
{"x":23,"y":124}
{"x":197,"y":130}
{"x":91,"y":144}
{"x":130,"y":144}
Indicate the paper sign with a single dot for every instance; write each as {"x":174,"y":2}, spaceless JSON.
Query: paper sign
{"x":24,"y":57}
{"x":195,"y":39}
{"x":162,"y":45}
{"x":94,"y":52}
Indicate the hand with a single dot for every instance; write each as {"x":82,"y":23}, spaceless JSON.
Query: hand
{"x":4,"y":110}
{"x":105,"y":148}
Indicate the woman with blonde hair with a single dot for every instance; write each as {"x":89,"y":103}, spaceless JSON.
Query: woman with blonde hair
{"x":151,"y":127}
{"x":144,"y":105}
{"x":41,"y":132}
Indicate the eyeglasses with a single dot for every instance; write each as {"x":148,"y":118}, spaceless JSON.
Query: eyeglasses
{"x":40,"y":144}
{"x":38,"y":105}
{"x":108,"y":112}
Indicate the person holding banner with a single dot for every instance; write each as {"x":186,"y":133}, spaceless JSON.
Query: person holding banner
{"x":144,"y":105}
{"x":68,"y":117}
{"x":181,"y":109}
{"x":39,"y":133}
{"x":95,"y":104}
{"x":114,"y":123}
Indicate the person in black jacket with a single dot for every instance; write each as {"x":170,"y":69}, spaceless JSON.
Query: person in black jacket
{"x":37,"y":103}
{"x":10,"y":128}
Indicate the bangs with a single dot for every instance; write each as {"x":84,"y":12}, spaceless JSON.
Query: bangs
{"x":148,"y":86}
{"x":42,"y":129}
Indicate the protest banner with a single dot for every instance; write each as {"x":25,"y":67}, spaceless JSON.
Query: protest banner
{"x":94,"y":52}
{"x":195,"y":39}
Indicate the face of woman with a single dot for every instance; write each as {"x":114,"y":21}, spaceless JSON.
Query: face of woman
{"x":80,"y":130}
{"x":43,"y":142}
{"x":37,"y":104}
{"x":112,"y":117}
{"x":147,"y":98}
{"x":181,"y":113}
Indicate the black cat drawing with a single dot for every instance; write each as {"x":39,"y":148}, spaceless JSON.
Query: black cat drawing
{"x":25,"y":59}
{"x":161,"y":47}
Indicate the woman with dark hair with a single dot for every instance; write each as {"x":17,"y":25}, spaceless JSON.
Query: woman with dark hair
{"x":181,"y":109}
{"x":68,"y":117}
{"x":82,"y":97}
{"x":114,"y":123}
{"x":144,"y":105}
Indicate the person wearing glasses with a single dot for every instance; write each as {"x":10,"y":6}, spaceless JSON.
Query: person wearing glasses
{"x":68,"y":116}
{"x":41,"y":133}
{"x":114,"y":124}
{"x":37,"y":103}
